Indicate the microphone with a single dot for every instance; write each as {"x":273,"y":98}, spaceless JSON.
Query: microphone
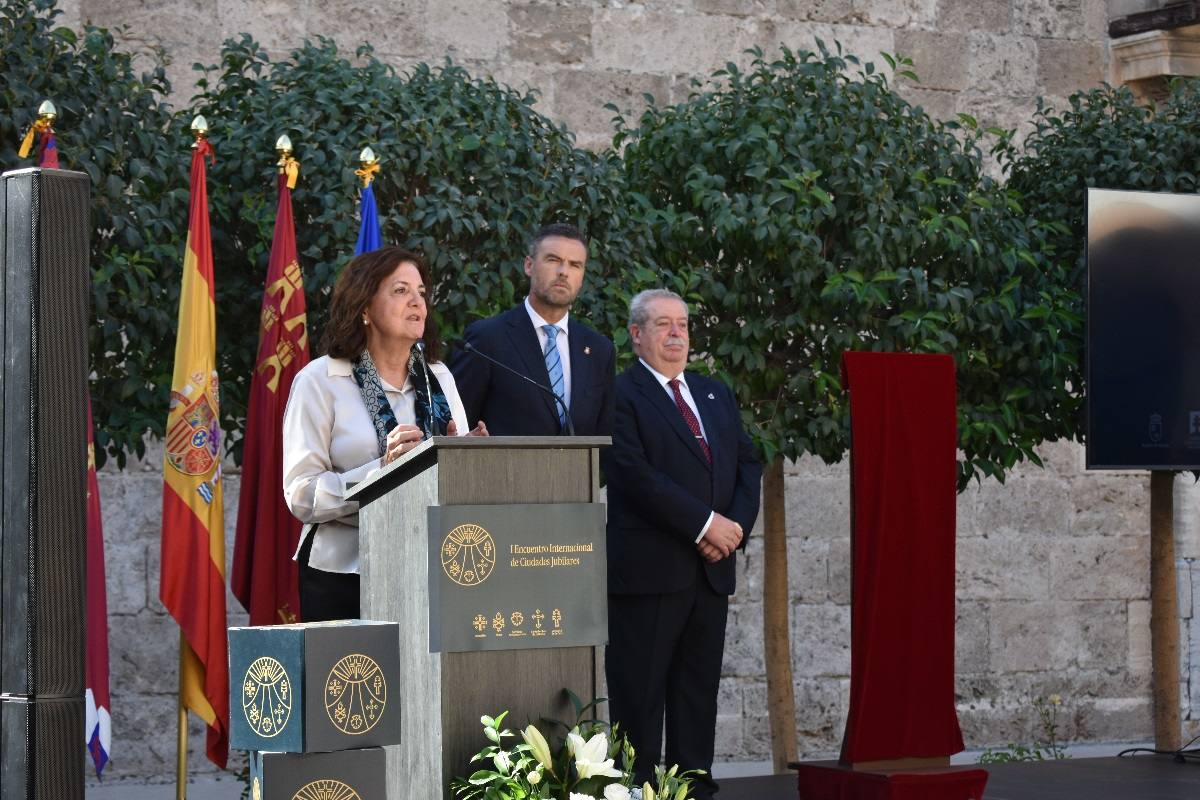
{"x":419,"y":349}
{"x":570,"y":427}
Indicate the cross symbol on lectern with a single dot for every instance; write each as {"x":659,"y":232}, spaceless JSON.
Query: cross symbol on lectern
{"x":538,"y":616}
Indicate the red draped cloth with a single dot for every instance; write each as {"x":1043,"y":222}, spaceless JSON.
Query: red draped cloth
{"x":834,"y":783}
{"x":903,"y":473}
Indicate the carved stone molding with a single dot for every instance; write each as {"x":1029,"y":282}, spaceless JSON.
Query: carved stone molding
{"x":1146,"y":61}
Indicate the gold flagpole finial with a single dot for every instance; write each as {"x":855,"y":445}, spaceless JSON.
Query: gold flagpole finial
{"x":370,"y":166}
{"x":47,"y":112}
{"x":287,"y":165}
{"x":199,"y":130}
{"x":283,"y":146}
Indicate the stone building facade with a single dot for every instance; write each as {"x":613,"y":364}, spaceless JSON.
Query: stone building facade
{"x":1053,"y":566}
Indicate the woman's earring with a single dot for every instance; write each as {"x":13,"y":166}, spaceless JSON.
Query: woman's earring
{"x":366,"y":321}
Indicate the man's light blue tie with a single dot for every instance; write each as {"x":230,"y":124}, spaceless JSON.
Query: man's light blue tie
{"x":554,"y":368}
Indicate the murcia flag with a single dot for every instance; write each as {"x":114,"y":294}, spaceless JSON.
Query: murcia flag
{"x":98,"y":706}
{"x":192,"y":585}
{"x":265,"y":578}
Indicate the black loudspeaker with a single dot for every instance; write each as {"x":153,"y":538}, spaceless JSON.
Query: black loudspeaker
{"x":45,"y":284}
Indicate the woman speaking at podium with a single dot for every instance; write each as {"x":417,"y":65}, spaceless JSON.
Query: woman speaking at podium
{"x":378,"y":391}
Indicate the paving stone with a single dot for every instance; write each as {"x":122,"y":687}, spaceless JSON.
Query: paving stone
{"x":1095,"y":567}
{"x":896,"y":13}
{"x":938,"y":104}
{"x":734,"y":8}
{"x":580,"y":97}
{"x":476,"y":29}
{"x":939,"y":59}
{"x":1003,"y":65}
{"x":992,"y":16}
{"x":665,"y":42}
{"x":548,"y":34}
{"x":821,"y":640}
{"x":1065,"y":67}
{"x":1002,"y":568}
{"x":864,"y":41}
{"x":817,"y":10}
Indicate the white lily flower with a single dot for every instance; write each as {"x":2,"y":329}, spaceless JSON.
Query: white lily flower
{"x":538,"y":746}
{"x":590,"y":758}
{"x":578,"y":796}
{"x":615,"y":791}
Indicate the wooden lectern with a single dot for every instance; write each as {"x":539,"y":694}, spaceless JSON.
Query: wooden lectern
{"x":443,"y":694}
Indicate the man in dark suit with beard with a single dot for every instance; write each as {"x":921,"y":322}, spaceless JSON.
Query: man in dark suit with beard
{"x":683,"y":489}
{"x":539,"y":339}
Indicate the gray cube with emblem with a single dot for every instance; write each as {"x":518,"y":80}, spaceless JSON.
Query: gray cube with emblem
{"x":345,"y":775}
{"x":314,"y":687}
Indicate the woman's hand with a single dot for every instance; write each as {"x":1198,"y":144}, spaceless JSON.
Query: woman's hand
{"x":401,"y":439}
{"x":479,"y":430}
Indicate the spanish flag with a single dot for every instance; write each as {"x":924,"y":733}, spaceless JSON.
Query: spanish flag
{"x":192,"y":585}
{"x":265,"y":578}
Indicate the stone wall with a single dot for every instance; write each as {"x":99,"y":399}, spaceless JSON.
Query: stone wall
{"x":1053,"y":565}
{"x":988,"y":58}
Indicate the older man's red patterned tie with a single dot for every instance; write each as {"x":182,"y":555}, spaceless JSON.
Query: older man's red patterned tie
{"x":690,"y":418}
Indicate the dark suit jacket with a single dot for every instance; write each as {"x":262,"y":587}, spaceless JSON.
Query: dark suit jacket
{"x":509,"y":405}
{"x":661,"y":489}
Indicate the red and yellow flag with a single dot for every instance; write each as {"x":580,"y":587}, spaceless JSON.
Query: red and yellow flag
{"x":265,"y":578}
{"x":192,"y":585}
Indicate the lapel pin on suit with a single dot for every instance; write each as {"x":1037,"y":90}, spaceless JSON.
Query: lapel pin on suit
{"x":711,"y":396}
{"x":587,"y":351}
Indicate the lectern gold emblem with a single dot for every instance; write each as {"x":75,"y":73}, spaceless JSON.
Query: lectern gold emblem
{"x":355,"y":694}
{"x":267,"y":697}
{"x":326,"y":789}
{"x":468,"y":555}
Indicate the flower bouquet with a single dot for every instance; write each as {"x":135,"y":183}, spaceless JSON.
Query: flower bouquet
{"x":582,"y":765}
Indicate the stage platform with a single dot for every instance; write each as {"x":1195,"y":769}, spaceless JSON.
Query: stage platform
{"x":1132,"y":778}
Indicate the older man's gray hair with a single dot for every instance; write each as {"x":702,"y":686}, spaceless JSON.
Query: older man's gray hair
{"x":639,"y":312}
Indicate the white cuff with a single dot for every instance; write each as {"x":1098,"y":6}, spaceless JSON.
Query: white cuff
{"x":711,"y":516}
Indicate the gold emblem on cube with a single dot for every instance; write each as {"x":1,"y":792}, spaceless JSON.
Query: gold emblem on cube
{"x":267,"y":697}
{"x":326,"y":789}
{"x":468,"y":555}
{"x":355,"y":694}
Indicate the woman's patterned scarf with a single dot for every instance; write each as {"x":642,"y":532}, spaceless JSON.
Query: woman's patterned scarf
{"x":433,"y":423}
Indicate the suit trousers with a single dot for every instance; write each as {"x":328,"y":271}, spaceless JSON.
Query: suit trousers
{"x":664,"y":659}
{"x":325,"y":595}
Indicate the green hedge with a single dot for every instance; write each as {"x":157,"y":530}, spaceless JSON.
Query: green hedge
{"x":838,"y":216}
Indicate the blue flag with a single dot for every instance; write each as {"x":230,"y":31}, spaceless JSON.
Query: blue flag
{"x":369,"y":236}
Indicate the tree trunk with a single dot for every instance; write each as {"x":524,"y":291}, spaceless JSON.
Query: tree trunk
{"x":781,"y":702}
{"x":1164,"y":611}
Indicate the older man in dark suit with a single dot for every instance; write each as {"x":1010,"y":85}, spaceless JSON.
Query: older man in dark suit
{"x":683,"y":490}
{"x":539,"y":339}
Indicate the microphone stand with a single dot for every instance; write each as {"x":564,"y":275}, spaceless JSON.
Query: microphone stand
{"x":420,"y":350}
{"x":569,"y":427}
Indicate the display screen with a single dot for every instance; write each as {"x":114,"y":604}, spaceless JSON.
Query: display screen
{"x":1143,"y":330}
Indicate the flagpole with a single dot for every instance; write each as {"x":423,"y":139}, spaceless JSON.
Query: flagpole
{"x":200,"y":131}
{"x":181,"y":744}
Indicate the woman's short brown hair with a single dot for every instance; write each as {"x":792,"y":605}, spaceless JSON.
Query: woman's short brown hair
{"x":345,"y":335}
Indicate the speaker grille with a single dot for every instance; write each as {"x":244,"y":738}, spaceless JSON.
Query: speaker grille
{"x":43,"y":473}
